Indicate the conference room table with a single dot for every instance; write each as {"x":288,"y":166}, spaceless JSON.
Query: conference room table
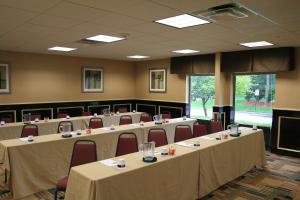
{"x":38,"y":165}
{"x":191,"y":173}
{"x":13,"y":130}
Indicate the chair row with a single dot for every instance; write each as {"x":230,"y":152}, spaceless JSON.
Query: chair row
{"x":61,"y":115}
{"x":85,"y":151}
{"x":96,"y":122}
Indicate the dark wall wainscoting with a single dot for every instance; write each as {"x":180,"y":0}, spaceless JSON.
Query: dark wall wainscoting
{"x":51,"y":110}
{"x":285,"y":137}
{"x":176,"y":109}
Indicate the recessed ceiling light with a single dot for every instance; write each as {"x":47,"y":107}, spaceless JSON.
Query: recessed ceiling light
{"x":185,"y":51}
{"x":105,"y":38}
{"x":182,"y":21}
{"x":256,"y":44}
{"x":138,"y":57}
{"x":61,"y":49}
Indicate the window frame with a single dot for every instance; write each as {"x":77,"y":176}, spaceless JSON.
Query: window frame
{"x":234,"y":90}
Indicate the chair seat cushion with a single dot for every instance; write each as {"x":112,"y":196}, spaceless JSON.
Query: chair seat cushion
{"x":62,"y":184}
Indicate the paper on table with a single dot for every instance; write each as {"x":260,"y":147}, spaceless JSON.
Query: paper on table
{"x":24,"y":139}
{"x":106,"y":128}
{"x":208,"y":138}
{"x":185,"y":144}
{"x":109,"y":162}
{"x":135,"y":124}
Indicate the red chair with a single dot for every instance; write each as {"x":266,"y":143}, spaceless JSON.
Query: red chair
{"x":7,"y":119}
{"x":62,"y":115}
{"x":159,"y":136}
{"x":35,"y":116}
{"x":199,"y":130}
{"x":166,"y":115}
{"x":122,"y":110}
{"x":145,"y":117}
{"x":62,"y":123}
{"x":215,"y":126}
{"x":95,"y":122}
{"x":127,"y":143}
{"x":30,"y":129}
{"x":125,"y":119}
{"x":86,"y":113}
{"x":182,"y":132}
{"x":84,"y":151}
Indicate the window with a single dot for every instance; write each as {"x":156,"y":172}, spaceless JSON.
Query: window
{"x":254,"y":99}
{"x":202,"y":96}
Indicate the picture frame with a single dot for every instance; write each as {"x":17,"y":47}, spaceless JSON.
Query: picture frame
{"x":4,"y":78}
{"x":92,"y":79}
{"x":158,"y":80}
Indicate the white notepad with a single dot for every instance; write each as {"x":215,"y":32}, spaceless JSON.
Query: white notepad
{"x":184,"y":144}
{"x":109,"y":162}
{"x":208,"y":138}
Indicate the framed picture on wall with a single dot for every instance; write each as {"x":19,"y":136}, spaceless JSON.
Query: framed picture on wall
{"x":92,"y":79}
{"x":4,"y":78}
{"x":158,"y":80}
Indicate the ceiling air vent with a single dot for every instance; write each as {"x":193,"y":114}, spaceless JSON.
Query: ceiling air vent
{"x":224,"y":12}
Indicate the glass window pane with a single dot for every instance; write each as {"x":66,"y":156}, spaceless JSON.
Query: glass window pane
{"x":254,"y":99}
{"x":202,"y":96}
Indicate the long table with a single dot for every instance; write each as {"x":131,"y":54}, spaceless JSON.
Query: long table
{"x":191,"y":173}
{"x":36,"y":166}
{"x":13,"y":130}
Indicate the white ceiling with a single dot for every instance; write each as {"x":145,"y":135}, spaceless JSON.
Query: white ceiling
{"x":36,"y":25}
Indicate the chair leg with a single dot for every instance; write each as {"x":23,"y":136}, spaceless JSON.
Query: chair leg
{"x":5,"y":175}
{"x":55,"y":194}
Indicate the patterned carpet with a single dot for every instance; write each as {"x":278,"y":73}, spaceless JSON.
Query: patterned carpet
{"x":279,"y":181}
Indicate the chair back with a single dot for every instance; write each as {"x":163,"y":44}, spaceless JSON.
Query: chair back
{"x":127,"y":143}
{"x":96,"y":122}
{"x":182,"y":132}
{"x":122,"y":110}
{"x":62,"y":123}
{"x":215,"y":126}
{"x":125,"y":119}
{"x":86,"y":113}
{"x":62,"y":115}
{"x":35,"y":116}
{"x":166,"y":115}
{"x":30,"y":129}
{"x":159,"y":136}
{"x":145,"y":117}
{"x":7,"y":119}
{"x":199,"y":130}
{"x":84,"y":151}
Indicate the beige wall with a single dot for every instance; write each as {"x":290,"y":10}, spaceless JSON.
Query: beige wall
{"x":51,"y":78}
{"x":176,"y":84}
{"x":223,"y":86}
{"x":288,"y":87}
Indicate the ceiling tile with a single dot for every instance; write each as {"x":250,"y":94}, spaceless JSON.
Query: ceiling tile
{"x":149,"y":11}
{"x":53,"y":21}
{"x":191,"y":5}
{"x":109,"y":5}
{"x":74,"y":11}
{"x":30,"y":5}
{"x":116,"y":20}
